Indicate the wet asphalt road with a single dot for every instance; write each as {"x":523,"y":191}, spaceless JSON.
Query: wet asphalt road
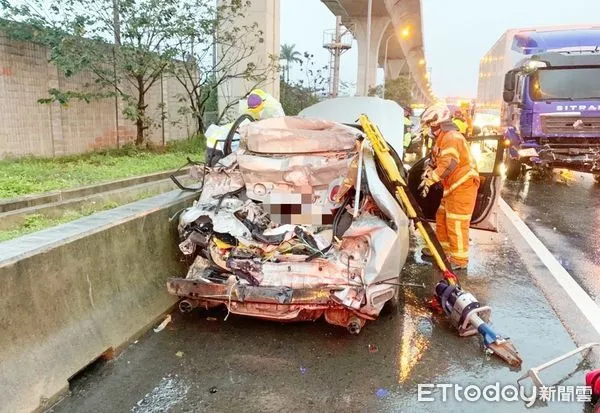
{"x":566,"y":218}
{"x":202,"y":365}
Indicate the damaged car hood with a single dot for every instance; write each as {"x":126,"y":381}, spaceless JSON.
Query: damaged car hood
{"x":284,"y":229}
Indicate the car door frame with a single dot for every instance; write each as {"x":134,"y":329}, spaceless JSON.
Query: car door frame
{"x":491,"y":183}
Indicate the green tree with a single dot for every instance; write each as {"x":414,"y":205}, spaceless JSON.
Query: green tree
{"x":294,"y":98}
{"x":125,"y":49}
{"x":211,"y":49}
{"x":290,"y":56}
{"x":315,"y":80}
{"x":398,"y":90}
{"x":306,"y":91}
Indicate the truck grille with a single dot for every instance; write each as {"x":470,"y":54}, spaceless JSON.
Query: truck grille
{"x":564,"y":125}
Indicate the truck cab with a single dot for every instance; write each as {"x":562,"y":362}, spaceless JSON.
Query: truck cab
{"x":551,"y":112}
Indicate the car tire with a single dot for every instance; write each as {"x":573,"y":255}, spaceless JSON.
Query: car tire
{"x":514,"y":169}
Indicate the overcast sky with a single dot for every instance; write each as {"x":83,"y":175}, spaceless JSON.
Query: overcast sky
{"x":457,"y":33}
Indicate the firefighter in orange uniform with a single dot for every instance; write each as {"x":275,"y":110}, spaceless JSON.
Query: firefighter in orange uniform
{"x":451,"y":164}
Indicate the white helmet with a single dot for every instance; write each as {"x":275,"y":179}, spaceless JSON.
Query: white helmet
{"x":436,"y":114}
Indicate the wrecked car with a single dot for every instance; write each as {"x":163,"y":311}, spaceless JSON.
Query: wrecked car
{"x":296,"y":224}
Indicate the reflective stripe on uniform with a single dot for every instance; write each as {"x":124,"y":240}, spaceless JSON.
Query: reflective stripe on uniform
{"x":451,"y":168}
{"x":216,"y":144}
{"x":460,"y":246}
{"x":460,"y":255}
{"x":217,"y":135}
{"x":458,"y":217}
{"x":210,"y":141}
{"x":471,"y":174}
{"x":450,"y":151}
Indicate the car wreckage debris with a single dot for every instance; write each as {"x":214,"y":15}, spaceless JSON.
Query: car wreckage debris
{"x":280,"y":232}
{"x":272,"y":234}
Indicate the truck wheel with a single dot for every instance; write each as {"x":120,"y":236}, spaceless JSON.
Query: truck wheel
{"x":513,"y":169}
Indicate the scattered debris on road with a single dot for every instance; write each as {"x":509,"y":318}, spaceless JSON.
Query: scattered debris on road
{"x":168,"y":393}
{"x":309,"y":219}
{"x":382,"y":393}
{"x":280,"y":231}
{"x":162,"y":325}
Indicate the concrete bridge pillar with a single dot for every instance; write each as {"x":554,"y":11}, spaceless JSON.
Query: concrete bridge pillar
{"x":266,"y":14}
{"x":394,"y":67}
{"x":378,"y":27}
{"x":417,"y":93}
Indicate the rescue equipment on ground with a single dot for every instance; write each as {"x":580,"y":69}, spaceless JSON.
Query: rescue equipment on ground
{"x":463,"y":310}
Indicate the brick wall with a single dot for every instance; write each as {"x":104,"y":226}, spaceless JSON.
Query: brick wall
{"x":30,"y":128}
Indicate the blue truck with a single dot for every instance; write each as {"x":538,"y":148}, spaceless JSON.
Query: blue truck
{"x":544,"y":86}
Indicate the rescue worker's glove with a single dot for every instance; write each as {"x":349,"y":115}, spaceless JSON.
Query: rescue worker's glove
{"x":428,"y":179}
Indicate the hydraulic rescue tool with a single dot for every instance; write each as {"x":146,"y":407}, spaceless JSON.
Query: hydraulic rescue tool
{"x":463,"y":310}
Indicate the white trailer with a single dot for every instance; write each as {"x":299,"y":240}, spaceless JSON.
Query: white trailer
{"x":494,"y":65}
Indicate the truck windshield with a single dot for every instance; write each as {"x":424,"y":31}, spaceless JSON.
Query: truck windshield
{"x":571,"y":83}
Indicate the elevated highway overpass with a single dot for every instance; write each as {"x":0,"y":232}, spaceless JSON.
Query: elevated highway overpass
{"x":396,"y":28}
{"x":396,"y":25}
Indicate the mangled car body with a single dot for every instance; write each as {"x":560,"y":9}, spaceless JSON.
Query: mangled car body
{"x":294,"y":225}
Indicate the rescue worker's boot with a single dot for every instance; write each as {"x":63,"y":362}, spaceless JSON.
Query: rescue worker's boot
{"x":458,"y":266}
{"x":428,"y":257}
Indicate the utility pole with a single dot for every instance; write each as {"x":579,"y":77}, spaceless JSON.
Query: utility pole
{"x":335,"y":88}
{"x":368,"y":58}
{"x":117,"y":32}
{"x":385,"y":64}
{"x":337,"y":43}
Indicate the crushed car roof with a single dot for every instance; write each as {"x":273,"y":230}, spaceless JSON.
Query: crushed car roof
{"x":386,"y":114}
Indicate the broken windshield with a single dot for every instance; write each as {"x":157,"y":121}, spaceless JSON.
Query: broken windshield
{"x":570,"y":84}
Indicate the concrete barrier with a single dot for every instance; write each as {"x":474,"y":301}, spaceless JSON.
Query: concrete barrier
{"x":29,"y":201}
{"x":73,"y":292}
{"x":12,"y":219}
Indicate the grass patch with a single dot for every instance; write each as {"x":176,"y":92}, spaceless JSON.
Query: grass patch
{"x":32,"y":175}
{"x":38,"y":222}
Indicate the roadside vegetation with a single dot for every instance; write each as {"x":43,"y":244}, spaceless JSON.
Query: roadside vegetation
{"x":127,"y":47}
{"x":25,"y":176}
{"x":38,"y":222}
{"x":398,"y":90}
